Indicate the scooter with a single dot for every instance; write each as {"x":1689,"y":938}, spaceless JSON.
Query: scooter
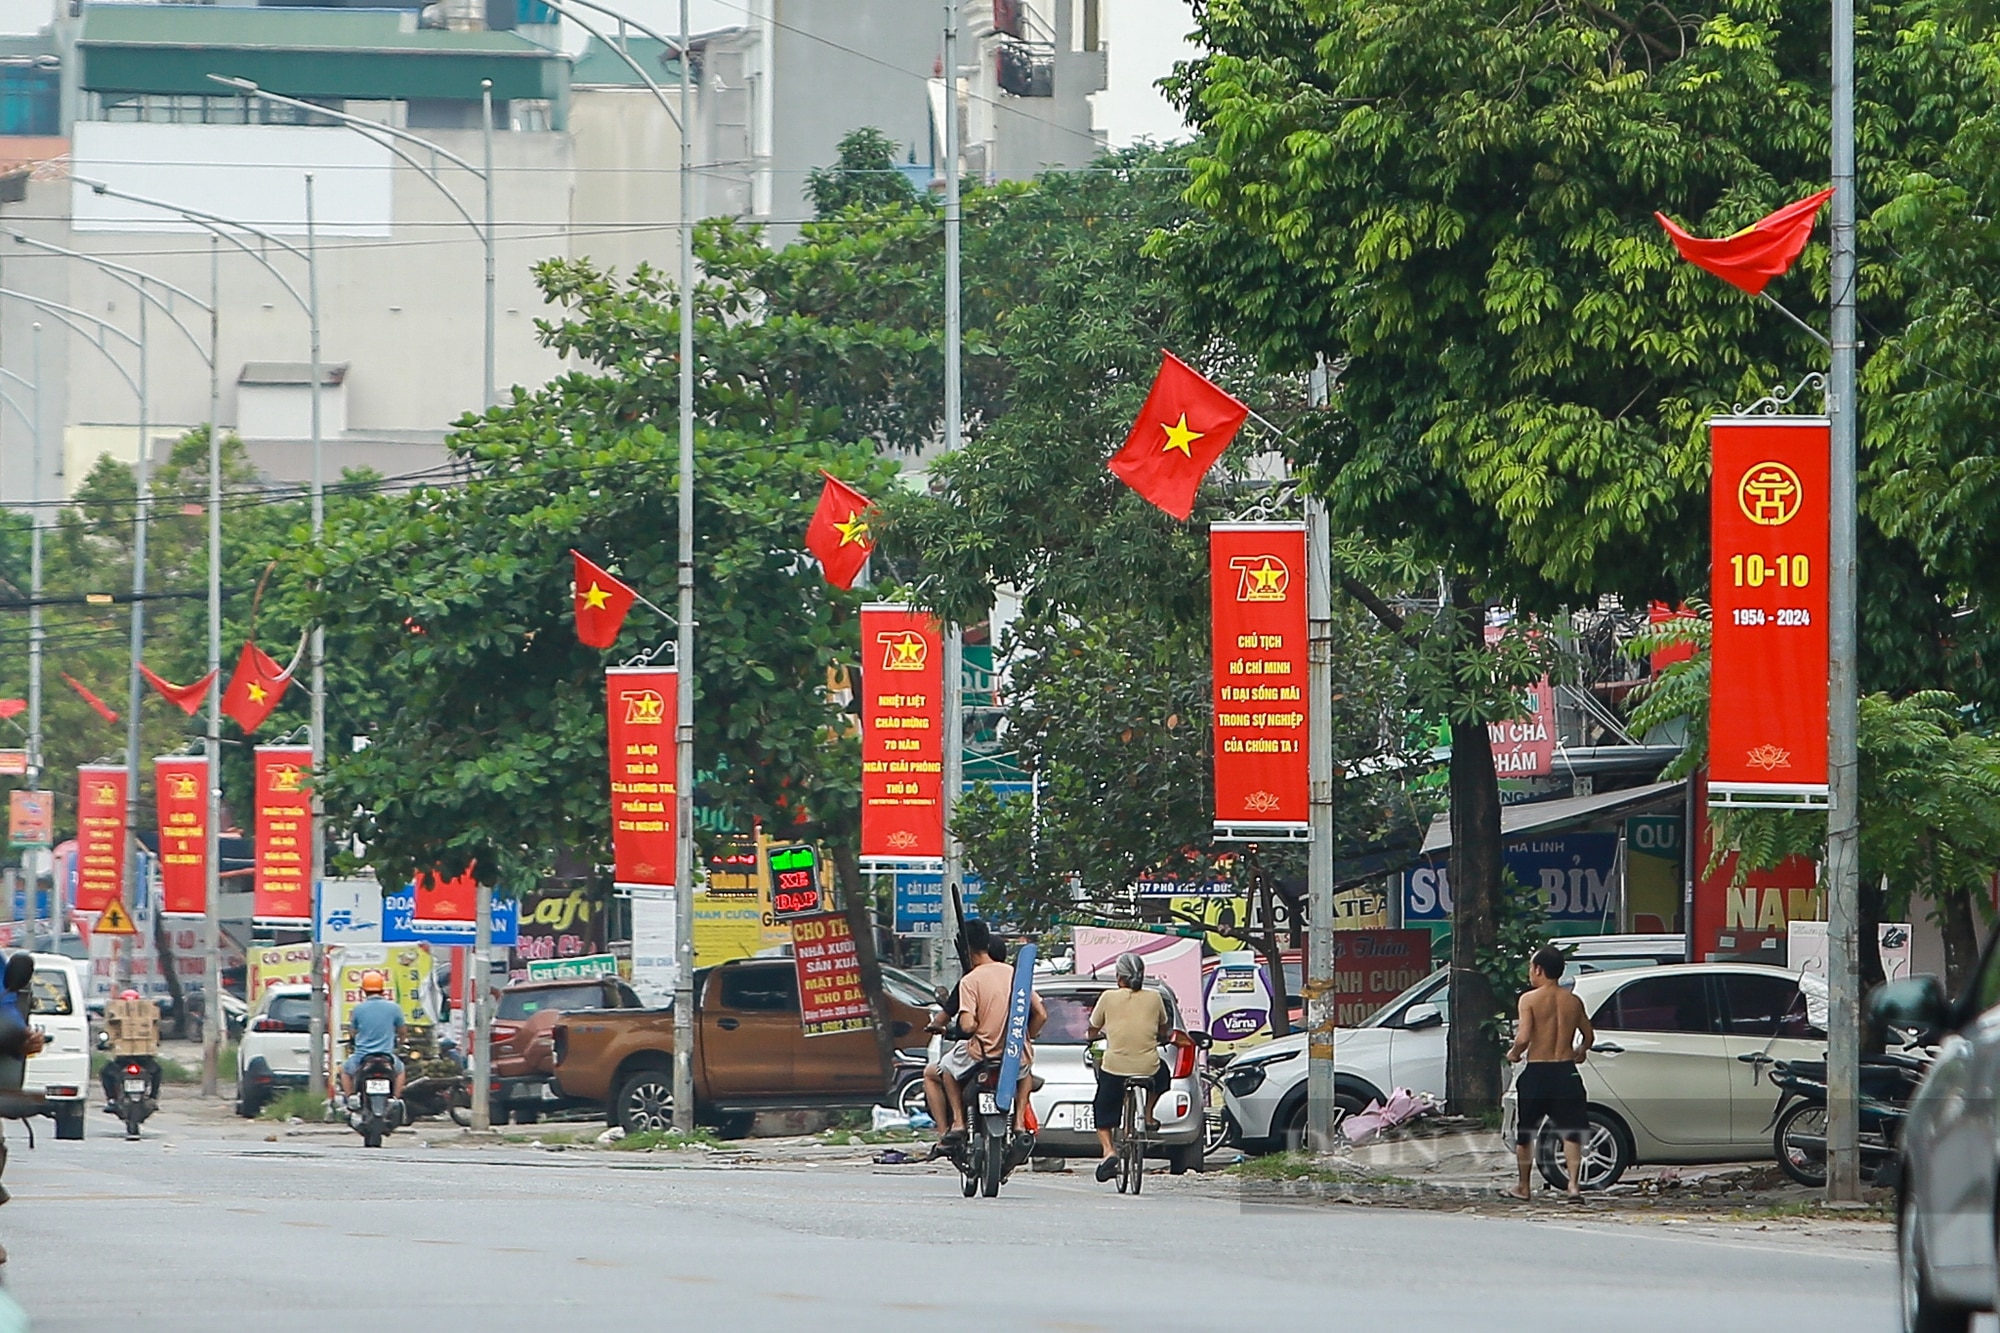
{"x":136,"y":1076}
{"x":990,"y":1151}
{"x":1798,"y":1122}
{"x":372,"y":1111}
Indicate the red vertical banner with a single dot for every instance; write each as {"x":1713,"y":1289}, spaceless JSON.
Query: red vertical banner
{"x":438,"y":899}
{"x":902,"y":734}
{"x":100,"y":835}
{"x":641,"y":704}
{"x":1768,"y":666}
{"x":1257,"y":607}
{"x":180,"y":786}
{"x":283,"y":889}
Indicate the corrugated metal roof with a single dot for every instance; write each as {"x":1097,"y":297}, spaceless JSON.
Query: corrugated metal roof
{"x":598,"y":66}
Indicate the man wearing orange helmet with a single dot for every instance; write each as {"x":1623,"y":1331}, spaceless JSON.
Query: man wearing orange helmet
{"x":374,"y":1023}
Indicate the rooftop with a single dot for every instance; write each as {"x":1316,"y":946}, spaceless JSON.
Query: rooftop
{"x":598,"y":65}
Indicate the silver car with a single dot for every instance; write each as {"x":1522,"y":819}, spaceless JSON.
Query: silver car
{"x":1069,"y":1082}
{"x":1945,"y":1173}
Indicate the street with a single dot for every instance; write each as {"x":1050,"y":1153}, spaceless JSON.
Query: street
{"x":185,"y":1232}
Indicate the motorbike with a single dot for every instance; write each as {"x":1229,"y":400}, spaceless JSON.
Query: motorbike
{"x":1798,"y":1122}
{"x":372,"y":1111}
{"x":135,"y":1077}
{"x":441,"y":1094}
{"x":989,"y":1152}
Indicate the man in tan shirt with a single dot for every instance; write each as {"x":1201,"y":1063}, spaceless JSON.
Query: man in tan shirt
{"x":983,"y":996}
{"x":1134,"y":1024}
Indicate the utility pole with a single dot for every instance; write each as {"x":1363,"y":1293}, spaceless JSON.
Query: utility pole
{"x":213,"y":1020}
{"x":1320,"y":1006}
{"x":135,"y":876}
{"x":316,"y":1081}
{"x":1843,"y":824}
{"x":954,"y":437}
{"x":35,"y":635}
{"x":684,"y":640}
{"x":486,"y":109}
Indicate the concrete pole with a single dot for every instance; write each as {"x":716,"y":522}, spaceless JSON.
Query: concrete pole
{"x":486,"y":109}
{"x":316,"y":1082}
{"x":35,"y":637}
{"x":214,"y":1022}
{"x":135,"y":880}
{"x":481,"y":1027}
{"x":1843,"y":831}
{"x":1320,"y":1006}
{"x":684,"y":642}
{"x":954,"y":437}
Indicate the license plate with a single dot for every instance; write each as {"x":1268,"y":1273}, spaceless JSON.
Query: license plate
{"x":378,"y":1085}
{"x":1086,"y":1116}
{"x":135,"y":1085}
{"x":989,"y":1104}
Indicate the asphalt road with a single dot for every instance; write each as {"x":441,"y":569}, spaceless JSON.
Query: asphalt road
{"x":196,"y":1234}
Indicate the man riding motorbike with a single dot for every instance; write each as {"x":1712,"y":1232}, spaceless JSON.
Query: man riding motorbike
{"x":980,"y":1029}
{"x":114,"y":1069}
{"x":374,"y":1025}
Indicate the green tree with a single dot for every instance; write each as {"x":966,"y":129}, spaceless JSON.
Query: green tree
{"x":864,"y":179}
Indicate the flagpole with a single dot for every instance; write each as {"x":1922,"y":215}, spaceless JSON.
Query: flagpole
{"x":134,"y":879}
{"x":316,"y":1080}
{"x":684,"y":642}
{"x":954,"y":437}
{"x":214,"y":1023}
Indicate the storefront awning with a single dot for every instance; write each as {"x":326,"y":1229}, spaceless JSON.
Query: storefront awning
{"x":1569,"y":813}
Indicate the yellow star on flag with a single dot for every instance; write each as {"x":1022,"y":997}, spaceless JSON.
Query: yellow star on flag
{"x":596,"y":597}
{"x":909,"y":650}
{"x":257,"y":693}
{"x":1266,"y":579}
{"x":1179,"y":437}
{"x":855,"y":529}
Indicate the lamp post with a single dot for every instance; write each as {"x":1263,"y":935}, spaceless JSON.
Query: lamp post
{"x":222,"y":229}
{"x":392,"y":138}
{"x":954,"y":438}
{"x":684,"y":614}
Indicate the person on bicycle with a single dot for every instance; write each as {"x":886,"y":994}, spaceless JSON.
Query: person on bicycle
{"x":1134,"y":1024}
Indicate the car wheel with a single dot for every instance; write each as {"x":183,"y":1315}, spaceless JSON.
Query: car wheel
{"x":645,"y":1101}
{"x":1607,"y":1155}
{"x":1294,"y":1137}
{"x":1922,"y":1312}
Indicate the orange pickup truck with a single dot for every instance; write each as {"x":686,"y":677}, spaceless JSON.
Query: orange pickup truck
{"x":751,"y":1053}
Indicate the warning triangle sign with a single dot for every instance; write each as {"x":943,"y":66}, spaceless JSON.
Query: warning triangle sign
{"x":115,"y":920}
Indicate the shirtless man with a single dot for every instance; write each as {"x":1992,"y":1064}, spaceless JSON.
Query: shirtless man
{"x":1550,"y":1088}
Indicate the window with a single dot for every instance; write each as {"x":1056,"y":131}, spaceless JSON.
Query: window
{"x":1765,"y":1007}
{"x":1069,"y":1013}
{"x":516,"y":1005}
{"x":623,"y":997}
{"x":770,"y":990}
{"x":51,"y":990}
{"x":1659,"y":1004}
{"x":294,"y":1011}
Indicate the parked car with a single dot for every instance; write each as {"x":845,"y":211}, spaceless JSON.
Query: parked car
{"x":1946,"y":1193}
{"x":276,"y":1049}
{"x":61,"y":1072}
{"x":1069,"y":1081}
{"x":524,"y":1050}
{"x":751,"y":1052}
{"x":1402,"y":1045}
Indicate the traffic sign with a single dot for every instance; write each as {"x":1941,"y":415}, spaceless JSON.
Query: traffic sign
{"x":114,"y":920}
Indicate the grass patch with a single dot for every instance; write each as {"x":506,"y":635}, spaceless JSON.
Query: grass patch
{"x":654,"y":1140}
{"x":1289,"y":1166}
{"x":295,"y":1102}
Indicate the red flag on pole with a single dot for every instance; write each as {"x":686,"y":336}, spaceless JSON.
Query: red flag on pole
{"x":838,"y":535}
{"x":1183,"y":428}
{"x":255,"y":688}
{"x":601,"y":603}
{"x":187,"y":698}
{"x":104,"y":710}
{"x":12,"y":708}
{"x":1760,"y":252}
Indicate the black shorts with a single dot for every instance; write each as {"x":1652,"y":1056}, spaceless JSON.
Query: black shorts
{"x":1109,"y":1103}
{"x":1551,"y":1091}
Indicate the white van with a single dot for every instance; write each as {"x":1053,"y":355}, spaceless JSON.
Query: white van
{"x":62,"y":1070}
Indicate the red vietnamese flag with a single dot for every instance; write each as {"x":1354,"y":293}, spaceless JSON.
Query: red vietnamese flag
{"x":838,"y":535}
{"x":100,"y":835}
{"x":104,"y":710}
{"x":187,"y":698}
{"x":601,"y":603}
{"x":1750,"y":258}
{"x":180,"y":786}
{"x":255,"y":688}
{"x":1183,"y":428}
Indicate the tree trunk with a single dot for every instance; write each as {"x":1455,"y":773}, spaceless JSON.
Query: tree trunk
{"x":861,"y":925}
{"x":1274,"y":958}
{"x":1472,"y":1059}
{"x":1868,"y":926}
{"x":170,"y":969}
{"x":1951,"y":909}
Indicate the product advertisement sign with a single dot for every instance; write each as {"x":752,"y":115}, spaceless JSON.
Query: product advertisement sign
{"x":1768,"y":657}
{"x":283,"y":888}
{"x":902,"y":734}
{"x":31,"y":818}
{"x":1169,"y":959}
{"x":181,"y":788}
{"x":1257,"y":602}
{"x":100,"y":835}
{"x":831,"y":999}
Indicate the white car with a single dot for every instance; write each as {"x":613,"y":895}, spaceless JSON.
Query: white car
{"x":1665,"y":1079}
{"x":62,"y":1071}
{"x":1401,"y":1045}
{"x":1069,"y":1080}
{"x":276,"y":1049}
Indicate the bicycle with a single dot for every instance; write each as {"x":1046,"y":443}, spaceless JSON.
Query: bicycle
{"x":1214,"y":1119}
{"x":1130,"y":1139}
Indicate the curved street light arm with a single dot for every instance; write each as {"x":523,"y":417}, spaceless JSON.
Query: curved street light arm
{"x":70,"y":317}
{"x":630,"y":22}
{"x":191,"y":214}
{"x":250,"y":88}
{"x":137,"y":280}
{"x":658,"y":94}
{"x":21,"y":380}
{"x":8,"y":399}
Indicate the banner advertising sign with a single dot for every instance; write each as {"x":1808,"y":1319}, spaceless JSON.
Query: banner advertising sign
{"x":1768,"y":656}
{"x":1169,"y":959}
{"x":31,"y":818}
{"x":448,"y":901}
{"x":831,"y":999}
{"x":1257,"y":601}
{"x":13,"y":763}
{"x":279,"y":965}
{"x":902,"y":734}
{"x":180,"y":787}
{"x":100,"y":835}
{"x":1573,"y":871}
{"x":555,"y":923}
{"x":655,"y":947}
{"x":283,"y":887}
{"x":640,"y":706}
{"x":1373,"y":967}
{"x":575,"y":969}
{"x":920,"y":901}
